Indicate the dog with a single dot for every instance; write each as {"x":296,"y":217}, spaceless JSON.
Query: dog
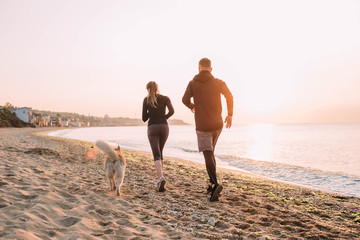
{"x":115,"y":164}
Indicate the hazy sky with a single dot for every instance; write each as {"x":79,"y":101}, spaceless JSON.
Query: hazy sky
{"x":284,"y":61}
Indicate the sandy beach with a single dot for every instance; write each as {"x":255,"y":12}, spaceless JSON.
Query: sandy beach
{"x":49,"y":189}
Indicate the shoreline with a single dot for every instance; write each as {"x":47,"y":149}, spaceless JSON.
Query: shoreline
{"x":49,"y":190}
{"x":267,"y":170}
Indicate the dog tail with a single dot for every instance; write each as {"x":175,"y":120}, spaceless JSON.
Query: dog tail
{"x":107,"y":149}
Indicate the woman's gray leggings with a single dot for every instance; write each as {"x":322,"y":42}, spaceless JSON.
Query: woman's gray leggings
{"x":158,"y":134}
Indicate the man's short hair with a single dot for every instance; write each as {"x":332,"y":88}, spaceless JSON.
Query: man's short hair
{"x":205,"y":63}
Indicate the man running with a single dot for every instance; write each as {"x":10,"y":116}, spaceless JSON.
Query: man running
{"x":206,"y":92}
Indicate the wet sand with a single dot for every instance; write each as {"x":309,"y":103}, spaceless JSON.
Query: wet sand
{"x":49,"y":189}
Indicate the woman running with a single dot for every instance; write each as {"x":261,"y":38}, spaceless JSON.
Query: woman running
{"x":154,"y":107}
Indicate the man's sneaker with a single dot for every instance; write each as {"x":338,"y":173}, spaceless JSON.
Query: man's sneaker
{"x":216,"y":193}
{"x":209,"y":189}
{"x":161,"y":184}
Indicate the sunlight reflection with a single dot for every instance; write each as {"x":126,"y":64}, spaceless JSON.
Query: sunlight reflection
{"x":261,"y":135}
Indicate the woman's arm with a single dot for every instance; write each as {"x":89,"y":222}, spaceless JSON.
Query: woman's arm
{"x":170,"y":107}
{"x":145,"y":114}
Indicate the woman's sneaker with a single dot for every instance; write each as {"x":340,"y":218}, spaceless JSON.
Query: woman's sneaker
{"x":161,"y":184}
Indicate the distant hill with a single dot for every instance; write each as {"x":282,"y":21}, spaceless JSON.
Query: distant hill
{"x":177,"y":122}
{"x":9,"y":119}
{"x":102,"y":121}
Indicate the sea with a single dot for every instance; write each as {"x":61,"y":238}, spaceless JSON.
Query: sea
{"x":323,"y":156}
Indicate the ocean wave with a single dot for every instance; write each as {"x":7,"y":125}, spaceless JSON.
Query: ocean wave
{"x":187,"y":150}
{"x":184,"y":146}
{"x":236,"y":160}
{"x":337,"y":182}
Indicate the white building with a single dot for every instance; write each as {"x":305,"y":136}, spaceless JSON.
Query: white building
{"x":65,"y":123}
{"x":24,"y":114}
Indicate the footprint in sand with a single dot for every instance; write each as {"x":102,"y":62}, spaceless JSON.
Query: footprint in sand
{"x":41,"y":216}
{"x":2,"y":205}
{"x":242,"y":225}
{"x":40,"y":190}
{"x":44,"y":179}
{"x":31,"y":196}
{"x":90,"y":207}
{"x":22,"y":196}
{"x":3,"y":183}
{"x":52,"y":233}
{"x":97,"y":234}
{"x":124,"y":222}
{"x":69,"y":221}
{"x":109,"y":231}
{"x":265,"y":221}
{"x":104,"y":224}
{"x":65,"y":194}
{"x":42,"y":151}
{"x":23,"y":188}
{"x":269,"y":207}
{"x":64,"y":206}
{"x":222,"y":225}
{"x":35,"y":170}
{"x":233,"y":198}
{"x":250,"y":210}
{"x":102,"y":212}
{"x":10,"y":174}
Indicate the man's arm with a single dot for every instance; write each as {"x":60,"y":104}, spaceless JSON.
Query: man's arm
{"x":229,"y":103}
{"x":187,"y":97}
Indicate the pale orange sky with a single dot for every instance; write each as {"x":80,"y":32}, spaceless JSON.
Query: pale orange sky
{"x":284,"y":61}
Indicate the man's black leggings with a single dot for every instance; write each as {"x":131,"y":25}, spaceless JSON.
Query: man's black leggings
{"x":158,"y":134}
{"x":210,"y":165}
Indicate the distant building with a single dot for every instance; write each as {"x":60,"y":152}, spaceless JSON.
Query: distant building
{"x":24,"y":114}
{"x":55,"y":122}
{"x":74,"y":124}
{"x":65,"y":123}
